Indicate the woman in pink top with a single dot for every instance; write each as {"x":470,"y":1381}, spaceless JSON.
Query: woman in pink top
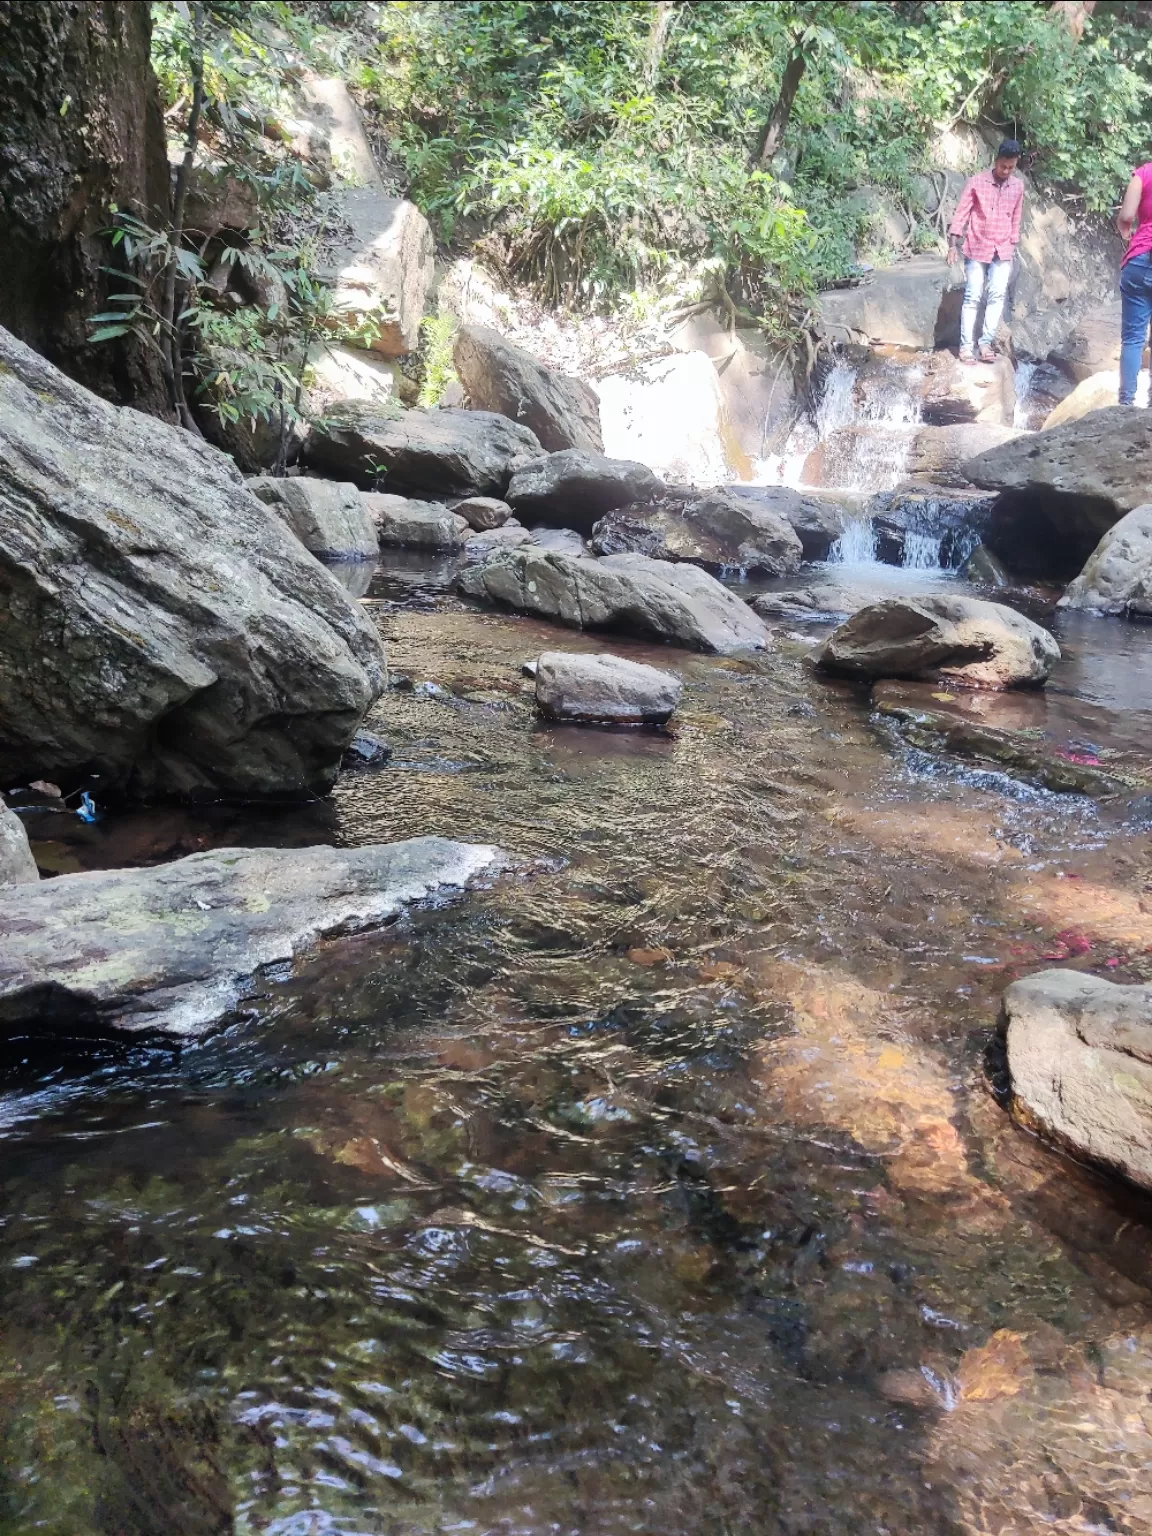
{"x":1135,"y":278}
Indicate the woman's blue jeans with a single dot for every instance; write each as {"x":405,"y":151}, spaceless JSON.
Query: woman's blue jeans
{"x":1136,"y":315}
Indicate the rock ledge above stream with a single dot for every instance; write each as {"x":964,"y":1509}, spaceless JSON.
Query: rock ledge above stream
{"x":168,"y":953}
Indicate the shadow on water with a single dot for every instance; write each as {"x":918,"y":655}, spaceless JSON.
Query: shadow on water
{"x":661,"y":1190}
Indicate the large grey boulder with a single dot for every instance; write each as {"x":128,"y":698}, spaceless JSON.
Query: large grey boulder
{"x":961,"y":639}
{"x":571,"y":685}
{"x":678,"y":603}
{"x":720,"y":531}
{"x":575,"y":488}
{"x":161,"y":627}
{"x":440,"y":453}
{"x":816,"y":520}
{"x":172,"y":951}
{"x":562,"y":411}
{"x":481,"y":545}
{"x":17,"y":866}
{"x":327,"y":516}
{"x":380,"y":253}
{"x":1061,"y":491}
{"x":406,"y":524}
{"x":1119,"y":570}
{"x":1080,"y":1059}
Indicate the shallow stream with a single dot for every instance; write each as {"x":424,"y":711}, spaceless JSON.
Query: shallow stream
{"x":661,"y":1187}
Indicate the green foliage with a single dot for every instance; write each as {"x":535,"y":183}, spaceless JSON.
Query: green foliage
{"x":604,"y":151}
{"x":438,"y":333}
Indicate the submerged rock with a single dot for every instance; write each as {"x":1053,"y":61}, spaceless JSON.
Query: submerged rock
{"x":162,"y":627}
{"x":327,"y":516}
{"x":978,"y":644}
{"x":406,"y":524}
{"x":572,"y":685}
{"x":171,"y":952}
{"x":678,"y":603}
{"x":1080,"y":1059}
{"x":441,"y":453}
{"x":574,"y":488}
{"x":719,"y":531}
{"x":1061,"y":491}
{"x":562,"y":411}
{"x":1118,"y":575}
{"x":17,"y":866}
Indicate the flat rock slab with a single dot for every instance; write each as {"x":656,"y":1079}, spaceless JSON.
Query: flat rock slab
{"x":572,"y":685}
{"x":630,"y":593}
{"x":452,"y":453}
{"x":1080,"y":1059}
{"x":975,"y":644}
{"x":170,"y":952}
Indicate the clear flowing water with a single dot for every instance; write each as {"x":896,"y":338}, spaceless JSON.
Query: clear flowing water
{"x":661,"y":1187}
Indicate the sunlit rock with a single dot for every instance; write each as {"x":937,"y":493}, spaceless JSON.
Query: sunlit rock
{"x":1118,"y":575}
{"x":670,"y":413}
{"x":1080,"y":1060}
{"x":978,"y":644}
{"x":329,"y":517}
{"x":573,"y":685}
{"x":574,"y":488}
{"x":497,"y":375}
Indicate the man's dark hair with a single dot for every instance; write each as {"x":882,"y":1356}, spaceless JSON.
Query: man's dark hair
{"x":1010,"y":149}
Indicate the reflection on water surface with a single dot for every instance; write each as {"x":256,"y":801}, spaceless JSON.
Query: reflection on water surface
{"x":661,"y":1190}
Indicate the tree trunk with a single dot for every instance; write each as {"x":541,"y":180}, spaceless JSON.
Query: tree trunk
{"x":1074,"y":14}
{"x":778,"y":122}
{"x":663,"y":15}
{"x":80,"y":130}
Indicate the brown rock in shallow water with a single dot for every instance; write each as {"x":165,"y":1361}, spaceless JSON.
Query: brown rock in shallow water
{"x":981,"y":645}
{"x":571,"y":685}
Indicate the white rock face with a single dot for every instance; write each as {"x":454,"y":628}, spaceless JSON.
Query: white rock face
{"x":1119,"y":570}
{"x":1080,"y":1057}
{"x":571,"y":685}
{"x":982,"y":645}
{"x":346,"y":373}
{"x":670,"y":415}
{"x":382,"y":265}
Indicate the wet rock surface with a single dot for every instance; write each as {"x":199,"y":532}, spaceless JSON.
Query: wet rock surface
{"x":973,"y":643}
{"x":574,"y":488}
{"x":451,"y":453}
{"x":630,"y":593}
{"x":718,"y":531}
{"x":1080,"y":1062}
{"x":497,"y":375}
{"x":171,"y":952}
{"x":575,"y":686}
{"x":163,"y":628}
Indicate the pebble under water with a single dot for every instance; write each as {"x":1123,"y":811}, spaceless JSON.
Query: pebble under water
{"x":661,"y":1187}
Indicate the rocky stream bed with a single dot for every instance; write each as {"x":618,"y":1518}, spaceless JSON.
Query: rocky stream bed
{"x":661,"y":1184}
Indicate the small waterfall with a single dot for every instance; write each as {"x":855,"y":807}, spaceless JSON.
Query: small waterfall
{"x":856,"y":545}
{"x":1024,"y":375}
{"x":922,"y":551}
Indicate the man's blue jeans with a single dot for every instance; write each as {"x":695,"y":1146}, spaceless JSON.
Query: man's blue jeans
{"x":1135,"y":316}
{"x":975,"y":272}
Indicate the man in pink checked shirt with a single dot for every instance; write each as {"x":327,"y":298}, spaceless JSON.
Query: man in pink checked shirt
{"x":990,"y":206}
